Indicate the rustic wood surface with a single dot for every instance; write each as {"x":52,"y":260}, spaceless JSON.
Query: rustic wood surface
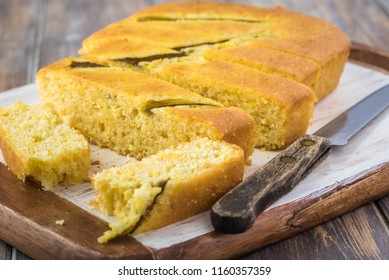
{"x":34,"y":33}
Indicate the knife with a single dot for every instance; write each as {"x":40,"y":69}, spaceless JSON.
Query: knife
{"x":237,"y":210}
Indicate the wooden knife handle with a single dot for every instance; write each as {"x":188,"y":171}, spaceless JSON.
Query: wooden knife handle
{"x":236,"y":211}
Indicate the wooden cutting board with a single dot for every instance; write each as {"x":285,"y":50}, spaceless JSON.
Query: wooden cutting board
{"x":349,"y":177}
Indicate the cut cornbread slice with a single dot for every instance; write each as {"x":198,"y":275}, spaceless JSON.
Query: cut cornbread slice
{"x":136,"y":114}
{"x":167,"y":187}
{"x":331,"y":61}
{"x":35,"y":143}
{"x":284,"y":64}
{"x":280,"y":106}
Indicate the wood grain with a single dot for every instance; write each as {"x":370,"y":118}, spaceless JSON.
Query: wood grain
{"x":383,"y":205}
{"x":28,"y":41}
{"x":357,"y":235}
{"x":16,"y":47}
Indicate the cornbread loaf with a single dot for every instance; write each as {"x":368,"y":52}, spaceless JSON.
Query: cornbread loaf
{"x":136,"y":114}
{"x":36,"y":143}
{"x":283,"y":30}
{"x":206,"y":47}
{"x":167,"y":187}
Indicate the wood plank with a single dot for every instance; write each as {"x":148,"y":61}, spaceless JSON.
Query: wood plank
{"x":18,"y":21}
{"x":68,"y":23}
{"x":5,"y":251}
{"x":357,"y":235}
{"x":384,"y":5}
{"x":383,"y":205}
{"x":16,"y":58}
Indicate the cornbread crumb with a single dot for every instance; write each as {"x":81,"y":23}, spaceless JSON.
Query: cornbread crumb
{"x":60,"y":222}
{"x":167,"y":187}
{"x":36,"y":143}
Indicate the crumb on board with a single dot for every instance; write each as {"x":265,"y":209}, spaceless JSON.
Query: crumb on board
{"x":60,"y":222}
{"x":93,"y":204}
{"x":96,"y":162}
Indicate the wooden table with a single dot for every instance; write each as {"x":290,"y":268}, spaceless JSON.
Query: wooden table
{"x":34,"y":33}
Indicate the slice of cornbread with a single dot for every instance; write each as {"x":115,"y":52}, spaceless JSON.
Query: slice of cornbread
{"x":136,"y":114}
{"x":287,"y":65}
{"x":330,"y":60}
{"x":170,"y":186}
{"x":281,"y":107}
{"x":35,"y":143}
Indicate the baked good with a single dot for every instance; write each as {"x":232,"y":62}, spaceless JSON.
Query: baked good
{"x":167,"y":187}
{"x":163,"y":76}
{"x":134,"y":113}
{"x":281,"y":107}
{"x":36,"y":143}
{"x":283,"y":30}
{"x":194,"y":44}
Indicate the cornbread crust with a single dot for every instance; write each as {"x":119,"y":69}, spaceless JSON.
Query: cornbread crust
{"x":172,"y":185}
{"x":298,"y":68}
{"x":30,"y":150}
{"x":169,"y":34}
{"x":137,"y":118}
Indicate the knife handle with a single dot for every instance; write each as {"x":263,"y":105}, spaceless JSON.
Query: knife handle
{"x":236,"y":211}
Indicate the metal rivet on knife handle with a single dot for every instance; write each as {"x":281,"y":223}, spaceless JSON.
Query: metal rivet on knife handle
{"x":238,"y":209}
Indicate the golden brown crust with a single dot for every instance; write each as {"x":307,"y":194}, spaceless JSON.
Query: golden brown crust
{"x":271,"y":61}
{"x":196,"y":10}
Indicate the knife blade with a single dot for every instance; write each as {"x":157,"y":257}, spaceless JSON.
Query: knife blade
{"x":237,"y":210}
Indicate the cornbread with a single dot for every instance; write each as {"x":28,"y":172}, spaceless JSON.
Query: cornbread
{"x":170,"y":186}
{"x":272,"y":41}
{"x":171,"y":34}
{"x":136,"y":114}
{"x":281,"y":107}
{"x":295,"y":67}
{"x":36,"y":143}
{"x":210,"y":81}
{"x":283,"y":30}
